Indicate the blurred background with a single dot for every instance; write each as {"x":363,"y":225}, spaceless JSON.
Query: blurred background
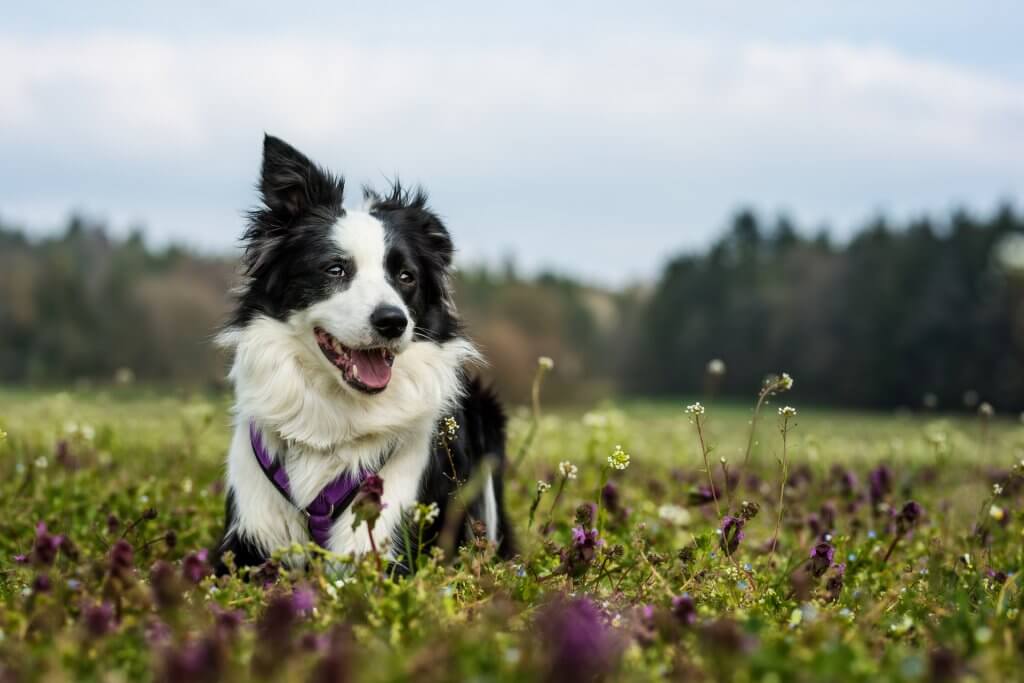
{"x":673,"y":200}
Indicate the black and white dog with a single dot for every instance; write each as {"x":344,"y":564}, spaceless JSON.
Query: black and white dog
{"x":349,"y":359}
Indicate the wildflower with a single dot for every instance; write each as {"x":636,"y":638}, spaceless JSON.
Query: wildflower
{"x":684,"y":609}
{"x":195,"y":567}
{"x":908,"y":517}
{"x":748,"y":510}
{"x":543,"y":486}
{"x":195,"y":660}
{"x":785,"y":382}
{"x":98,"y":619}
{"x":44,"y":552}
{"x":41,"y":584}
{"x":545,"y":363}
{"x":997,"y":490}
{"x":880,"y":482}
{"x":580,"y":554}
{"x":695,"y":409}
{"x":303,"y":600}
{"x":716,"y":367}
{"x":821,"y":558}
{"x":986,"y":410}
{"x":997,"y":513}
{"x":731,"y":532}
{"x":41,"y":462}
{"x":450,"y":427}
{"x":568,"y":470}
{"x":165,"y":585}
{"x":610,"y":498}
{"x":226,"y":621}
{"x":619,"y":459}
{"x":367,"y":504}
{"x":425,"y":514}
{"x":578,"y":645}
{"x":787,"y":411}
{"x":121,"y":560}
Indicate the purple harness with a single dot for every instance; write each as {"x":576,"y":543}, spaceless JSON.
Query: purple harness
{"x":328,"y":505}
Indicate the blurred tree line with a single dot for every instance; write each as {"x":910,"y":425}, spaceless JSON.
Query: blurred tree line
{"x":900,"y":315}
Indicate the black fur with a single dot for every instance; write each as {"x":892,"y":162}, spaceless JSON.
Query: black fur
{"x":288,"y":253}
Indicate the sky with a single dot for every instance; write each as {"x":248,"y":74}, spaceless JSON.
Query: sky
{"x":595,"y":139}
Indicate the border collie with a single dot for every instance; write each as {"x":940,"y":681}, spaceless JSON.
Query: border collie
{"x":349,"y":359}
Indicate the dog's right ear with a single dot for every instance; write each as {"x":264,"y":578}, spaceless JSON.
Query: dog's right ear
{"x":291,"y":184}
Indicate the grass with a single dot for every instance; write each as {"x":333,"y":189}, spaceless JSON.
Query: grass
{"x":129,"y":488}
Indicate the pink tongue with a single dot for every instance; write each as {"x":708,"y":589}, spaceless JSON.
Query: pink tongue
{"x":374,"y":371}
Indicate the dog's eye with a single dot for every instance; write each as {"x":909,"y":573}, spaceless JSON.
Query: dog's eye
{"x":406,"y":278}
{"x":336,"y":270}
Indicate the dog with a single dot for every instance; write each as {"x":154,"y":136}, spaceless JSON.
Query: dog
{"x":349,"y":360}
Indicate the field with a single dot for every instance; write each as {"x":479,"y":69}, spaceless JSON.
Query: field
{"x":896,"y":558}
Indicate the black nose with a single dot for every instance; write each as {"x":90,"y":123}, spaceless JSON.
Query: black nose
{"x":389,"y":321}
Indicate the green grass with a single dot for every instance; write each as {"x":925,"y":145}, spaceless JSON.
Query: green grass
{"x":562,"y":611}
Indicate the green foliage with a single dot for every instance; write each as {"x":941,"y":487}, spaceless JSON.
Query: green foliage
{"x":129,"y":489}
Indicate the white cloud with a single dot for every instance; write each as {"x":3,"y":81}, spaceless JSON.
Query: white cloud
{"x":616,"y":111}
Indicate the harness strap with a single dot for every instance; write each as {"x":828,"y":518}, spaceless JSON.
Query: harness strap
{"x":326,"y":507}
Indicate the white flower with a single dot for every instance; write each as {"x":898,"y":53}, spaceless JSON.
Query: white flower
{"x":997,"y":490}
{"x":545,"y":363}
{"x":695,"y":409}
{"x":619,"y":460}
{"x":716,"y":367}
{"x":451,"y":427}
{"x":997,"y":513}
{"x":425,"y":514}
{"x":674,"y":514}
{"x":785,"y":382}
{"x":568,"y":470}
{"x":986,"y":410}
{"x":543,"y":486}
{"x":787,"y":411}
{"x":42,"y":462}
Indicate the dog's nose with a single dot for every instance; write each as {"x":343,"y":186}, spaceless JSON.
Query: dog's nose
{"x":389,"y":321}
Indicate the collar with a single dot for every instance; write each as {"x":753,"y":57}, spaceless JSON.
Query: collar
{"x":326,"y":507}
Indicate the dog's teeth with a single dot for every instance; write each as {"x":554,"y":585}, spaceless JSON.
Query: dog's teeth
{"x":355,"y":371}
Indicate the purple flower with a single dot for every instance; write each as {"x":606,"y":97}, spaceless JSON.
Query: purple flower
{"x":821,"y":559}
{"x":164,"y":583}
{"x":610,"y":498}
{"x":879,"y":483}
{"x":578,"y":644}
{"x":226,"y":621}
{"x":684,"y":609}
{"x":113,"y":524}
{"x":199,"y":660}
{"x":578,"y":557}
{"x":908,"y":517}
{"x":98,"y":619}
{"x":367,"y":504}
{"x":303,"y":599}
{"x":195,"y":567}
{"x":157,"y":632}
{"x":41,"y":584}
{"x":732,"y":534}
{"x":44,"y":552}
{"x":121,"y":560}
{"x":845,"y":481}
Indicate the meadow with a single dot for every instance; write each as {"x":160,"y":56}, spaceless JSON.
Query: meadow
{"x":853,"y":547}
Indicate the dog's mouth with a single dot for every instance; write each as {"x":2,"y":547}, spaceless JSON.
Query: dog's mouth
{"x":368,"y":370}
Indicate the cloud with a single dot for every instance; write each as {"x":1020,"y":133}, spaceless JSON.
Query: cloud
{"x":497,"y":125}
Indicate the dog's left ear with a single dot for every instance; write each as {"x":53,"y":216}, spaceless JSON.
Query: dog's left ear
{"x":438,"y":239}
{"x":292,"y":185}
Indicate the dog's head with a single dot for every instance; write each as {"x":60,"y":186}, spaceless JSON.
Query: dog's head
{"x":356,"y":287}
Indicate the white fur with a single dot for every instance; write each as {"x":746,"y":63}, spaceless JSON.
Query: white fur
{"x":309,"y":415}
{"x":491,"y":509}
{"x":346,"y":315}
